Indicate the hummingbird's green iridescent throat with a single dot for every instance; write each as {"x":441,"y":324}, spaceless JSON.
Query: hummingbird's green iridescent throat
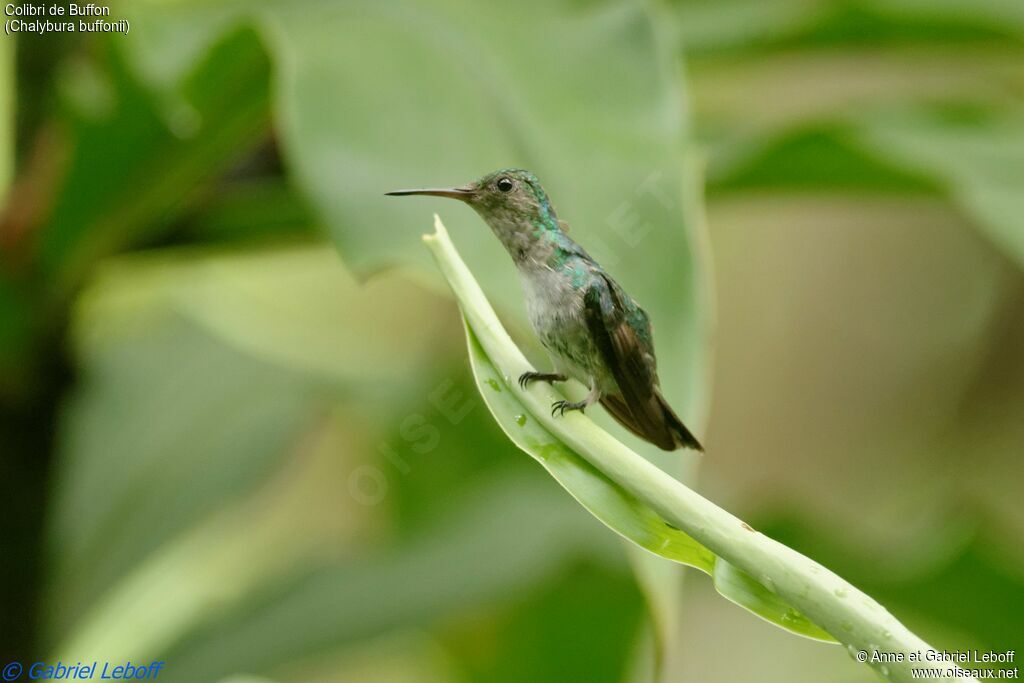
{"x":594,"y":332}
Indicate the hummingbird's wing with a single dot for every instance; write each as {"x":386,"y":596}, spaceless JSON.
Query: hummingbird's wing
{"x":622,"y":334}
{"x":627,"y":356}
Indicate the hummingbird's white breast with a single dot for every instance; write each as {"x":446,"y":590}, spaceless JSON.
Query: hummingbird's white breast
{"x":555,"y":307}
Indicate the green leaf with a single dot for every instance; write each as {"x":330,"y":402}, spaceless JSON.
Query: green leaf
{"x":607,"y":500}
{"x":819,"y":599}
{"x":594,"y":490}
{"x":604,"y":130}
{"x":815,"y":157}
{"x":294,"y":307}
{"x":478,"y":555}
{"x":578,"y":626}
{"x":979,"y":160}
{"x":588,"y":96}
{"x":203,"y":370}
{"x":971,"y":154}
{"x":135,"y":436}
{"x":758,"y":26}
{"x":137,"y":160}
{"x":617,"y":508}
{"x":200,"y":371}
{"x":741,"y":588}
{"x":1005,"y":16}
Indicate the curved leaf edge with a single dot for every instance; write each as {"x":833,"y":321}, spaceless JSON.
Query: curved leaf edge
{"x":848,"y":614}
{"x":621,"y":511}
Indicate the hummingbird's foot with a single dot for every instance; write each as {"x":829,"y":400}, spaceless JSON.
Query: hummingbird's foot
{"x":561,"y":407}
{"x":527,"y":377}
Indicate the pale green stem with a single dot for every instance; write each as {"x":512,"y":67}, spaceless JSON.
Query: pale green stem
{"x":851,"y":616}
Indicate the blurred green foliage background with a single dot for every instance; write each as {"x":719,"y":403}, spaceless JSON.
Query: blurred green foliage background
{"x":226,"y":447}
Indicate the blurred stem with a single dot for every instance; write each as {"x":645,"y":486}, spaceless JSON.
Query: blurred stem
{"x":848,"y":614}
{"x":8,"y":76}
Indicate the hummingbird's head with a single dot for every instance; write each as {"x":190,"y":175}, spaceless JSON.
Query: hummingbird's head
{"x":511,"y":201}
{"x":511,"y":195}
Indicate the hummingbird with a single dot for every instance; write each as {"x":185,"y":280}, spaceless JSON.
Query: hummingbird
{"x":592,"y":329}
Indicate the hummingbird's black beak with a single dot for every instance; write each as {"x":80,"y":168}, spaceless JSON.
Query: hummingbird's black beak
{"x":462,"y":193}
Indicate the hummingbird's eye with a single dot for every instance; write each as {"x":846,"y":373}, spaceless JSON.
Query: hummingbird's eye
{"x":505,"y":184}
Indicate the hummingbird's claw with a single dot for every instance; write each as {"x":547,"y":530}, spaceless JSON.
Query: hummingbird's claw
{"x":527,"y":377}
{"x":562,"y":406}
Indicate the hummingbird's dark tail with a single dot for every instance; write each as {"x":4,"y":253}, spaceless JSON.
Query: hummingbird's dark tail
{"x":680,"y":433}
{"x":665,"y":430}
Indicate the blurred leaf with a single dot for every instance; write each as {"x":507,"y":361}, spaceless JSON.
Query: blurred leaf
{"x":576,"y":627}
{"x":604,"y":130}
{"x":8,"y":94}
{"x":821,"y":157}
{"x":978,"y":161}
{"x":711,"y":26}
{"x":212,"y":365}
{"x":487,"y":98}
{"x":135,"y":165}
{"x":1000,"y":15}
{"x":404,"y":656}
{"x":161,"y":337}
{"x":440,"y":437}
{"x":974,"y":590}
{"x":244,"y":543}
{"x":174,"y":411}
{"x":243,"y":210}
{"x":478,"y":556}
{"x":903,"y":96}
{"x":981,"y":162}
{"x":772,"y":94}
{"x":761,"y":25}
{"x":292,"y":306}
